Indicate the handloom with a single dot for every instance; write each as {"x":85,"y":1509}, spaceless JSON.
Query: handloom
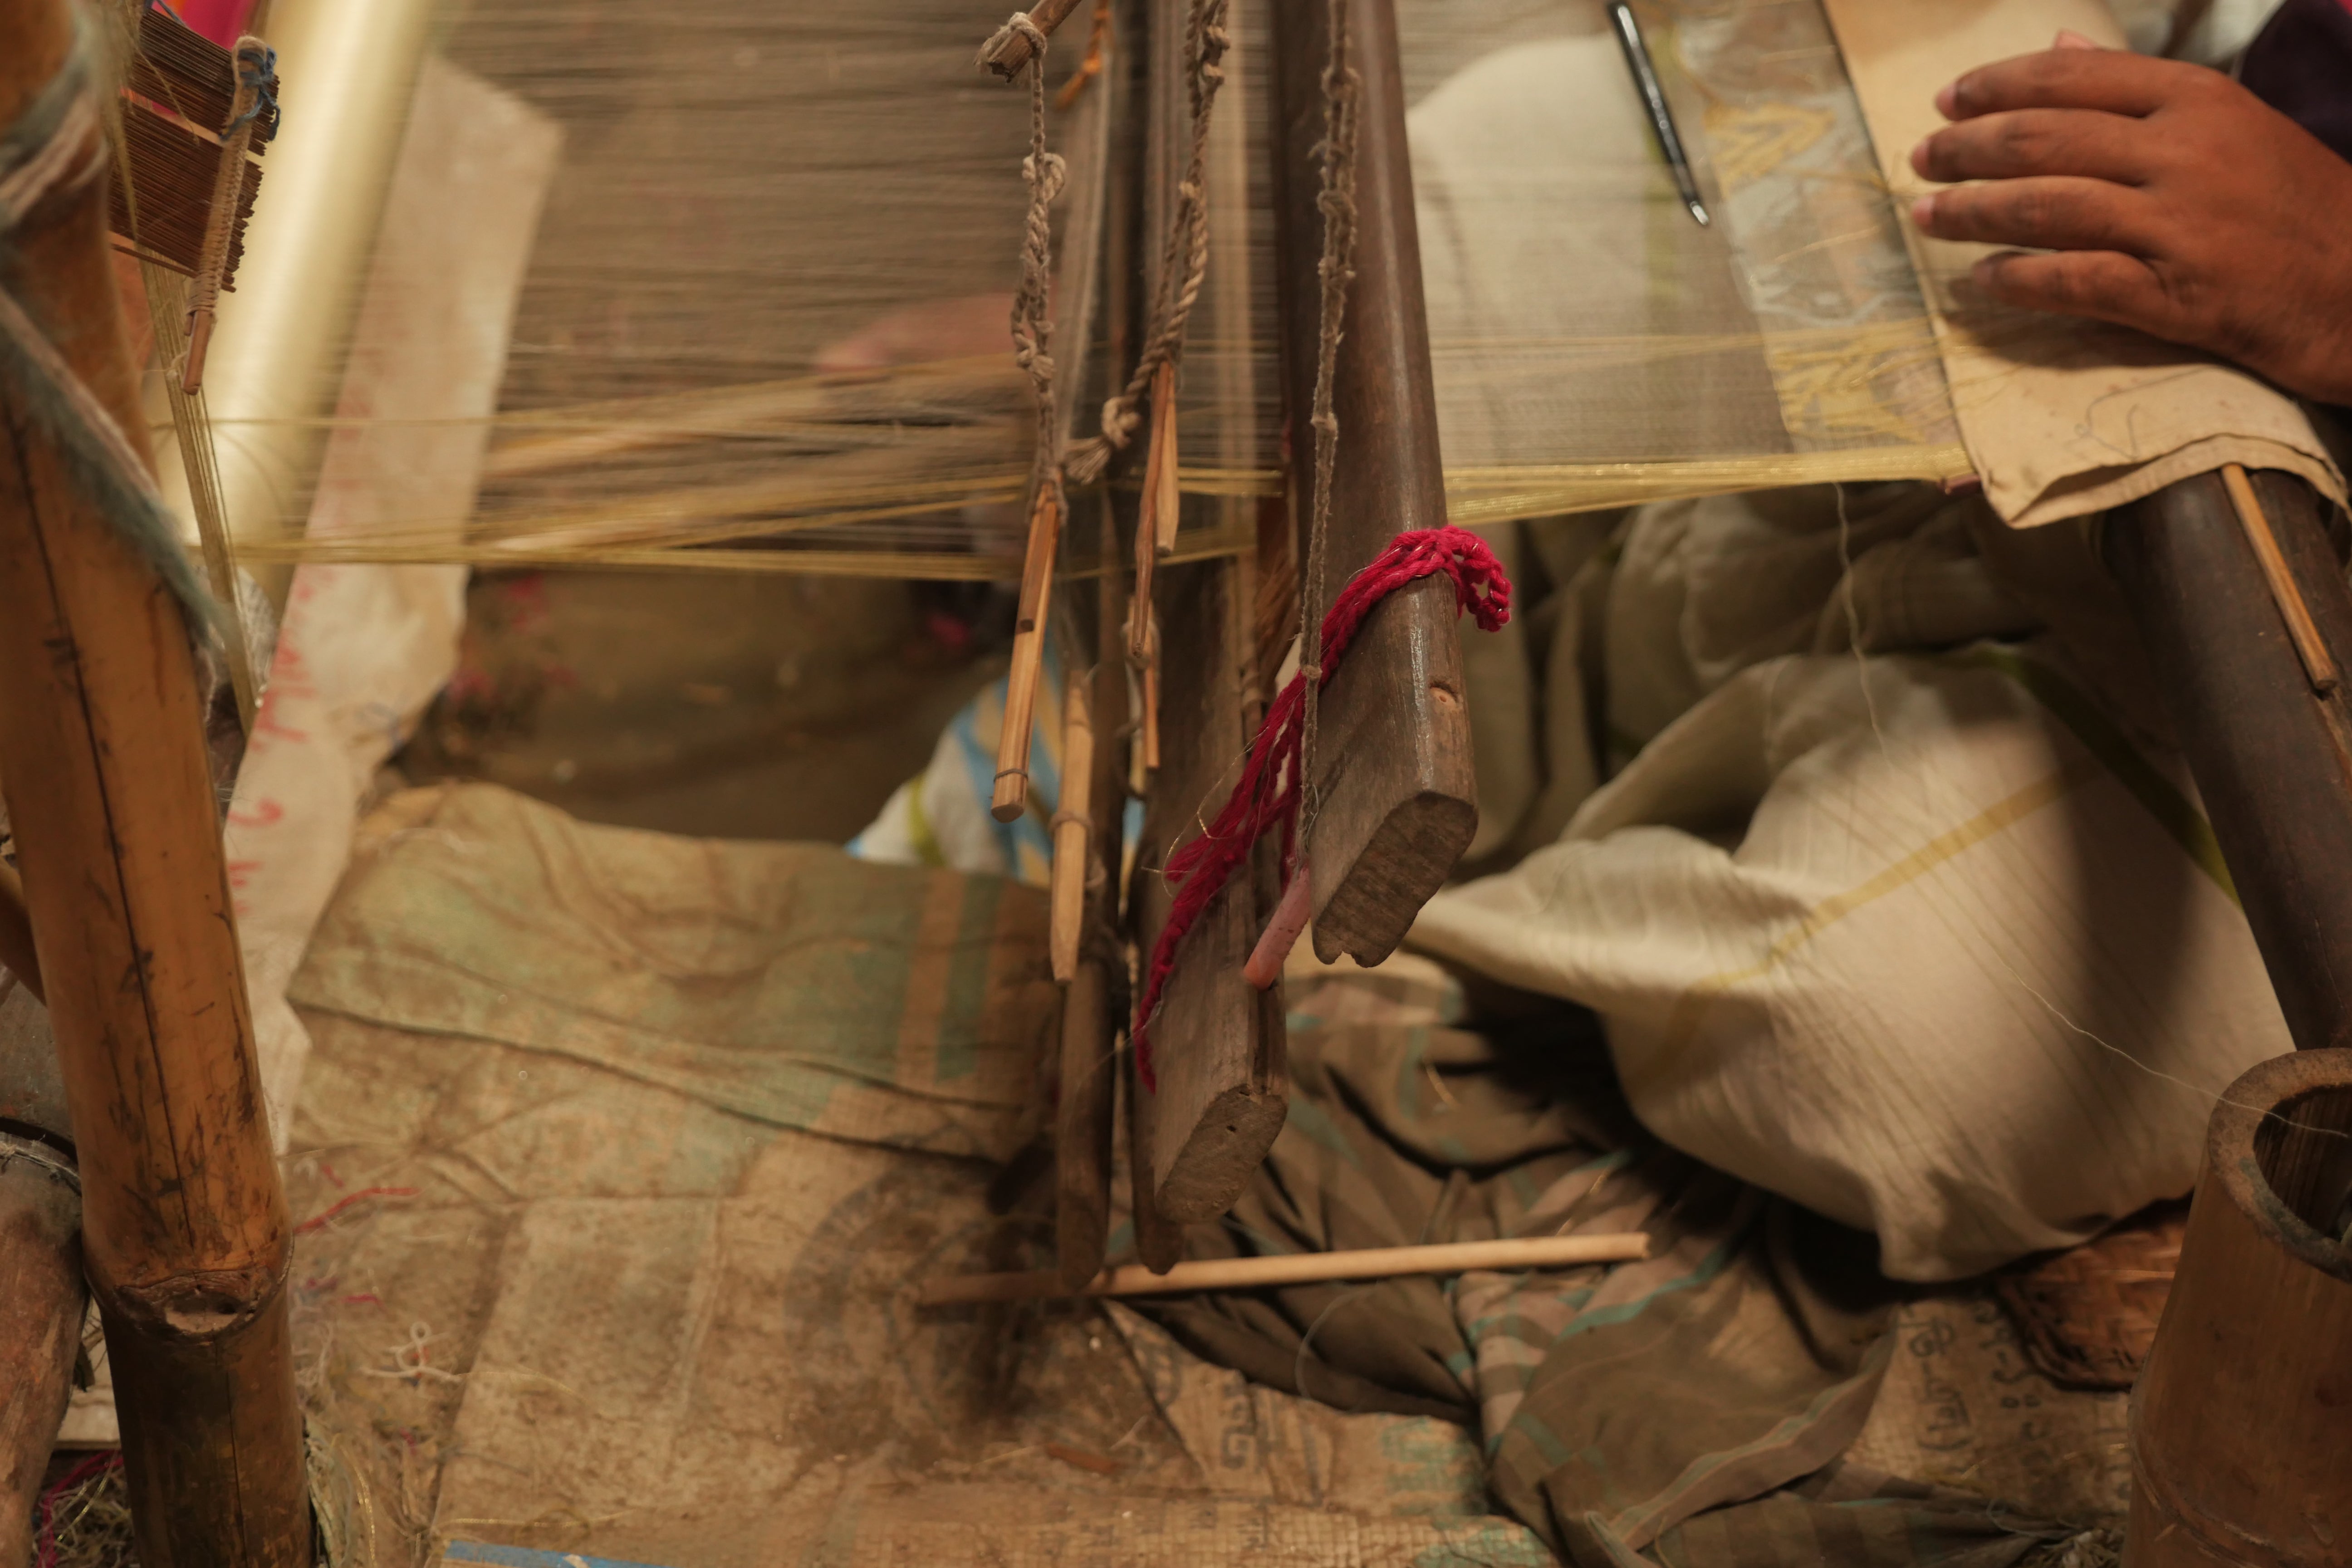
{"x":194,"y":1291}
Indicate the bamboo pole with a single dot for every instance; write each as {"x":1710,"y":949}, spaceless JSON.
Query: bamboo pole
{"x":185,"y":1236}
{"x":1072,"y":825}
{"x":1299,"y":1268}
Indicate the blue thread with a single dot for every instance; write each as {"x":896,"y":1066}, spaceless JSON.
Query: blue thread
{"x":257,"y":68}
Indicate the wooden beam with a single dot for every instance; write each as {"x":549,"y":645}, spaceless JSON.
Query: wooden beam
{"x":2271,"y":754}
{"x":1394,"y":768}
{"x":186,"y":1235}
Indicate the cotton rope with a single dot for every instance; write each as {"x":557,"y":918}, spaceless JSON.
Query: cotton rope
{"x":55,"y":148}
{"x":1268,"y":796}
{"x":1185,"y":264}
{"x":1334,"y":272}
{"x":1031,"y":330}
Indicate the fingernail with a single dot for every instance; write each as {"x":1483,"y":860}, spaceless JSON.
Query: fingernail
{"x":2070,"y":39}
{"x":1947,"y":101}
{"x":1919,"y":157}
{"x":1923,"y":214}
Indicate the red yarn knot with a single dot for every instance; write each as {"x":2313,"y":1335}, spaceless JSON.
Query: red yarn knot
{"x":1268,"y":796}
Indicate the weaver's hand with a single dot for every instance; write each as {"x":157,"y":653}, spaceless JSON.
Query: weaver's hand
{"x":2169,"y":198}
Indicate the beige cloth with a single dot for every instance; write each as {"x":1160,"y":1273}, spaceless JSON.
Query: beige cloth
{"x":1884,"y":910}
{"x":2063,"y":418}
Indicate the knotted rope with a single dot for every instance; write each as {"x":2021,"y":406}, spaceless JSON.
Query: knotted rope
{"x":1268,"y":794}
{"x":1185,"y":263}
{"x":1031,"y":330}
{"x":55,"y":148}
{"x":1336,"y":200}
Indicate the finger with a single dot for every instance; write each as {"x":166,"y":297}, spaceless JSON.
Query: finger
{"x":2115,"y":80}
{"x":2047,"y":213}
{"x":2027,"y":141}
{"x":2100,"y":284}
{"x":2070,"y":39}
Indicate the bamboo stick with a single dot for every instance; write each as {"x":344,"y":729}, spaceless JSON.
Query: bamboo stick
{"x":1299,"y":1268}
{"x":2318,"y":665}
{"x":1008,"y":51}
{"x":185,"y":1226}
{"x":1073,"y":826}
{"x":18,"y":955}
{"x":1162,"y":501}
{"x":1011,"y":796}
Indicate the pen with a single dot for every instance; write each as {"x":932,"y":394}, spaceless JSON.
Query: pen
{"x":1662,"y":118}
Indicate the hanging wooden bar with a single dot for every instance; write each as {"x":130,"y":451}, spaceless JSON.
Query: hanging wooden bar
{"x":184,"y":1224}
{"x":1399,"y":804}
{"x":1218,"y":1053}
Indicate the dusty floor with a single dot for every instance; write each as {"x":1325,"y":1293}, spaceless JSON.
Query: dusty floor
{"x":720,"y":705}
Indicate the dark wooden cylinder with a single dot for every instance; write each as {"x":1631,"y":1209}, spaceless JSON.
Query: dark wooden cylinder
{"x":2241,"y":1424}
{"x":2273,"y":759}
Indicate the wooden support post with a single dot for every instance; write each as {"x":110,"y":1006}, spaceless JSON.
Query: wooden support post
{"x":1218,"y":1041}
{"x":1393,"y":765}
{"x":185,"y":1236}
{"x":41,"y":1294}
{"x":2272,"y":754}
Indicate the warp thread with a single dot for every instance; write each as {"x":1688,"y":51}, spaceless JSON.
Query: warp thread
{"x":1335,"y":271}
{"x":1032,"y":329}
{"x":1268,"y":794}
{"x":56,"y":148}
{"x":1185,"y":264}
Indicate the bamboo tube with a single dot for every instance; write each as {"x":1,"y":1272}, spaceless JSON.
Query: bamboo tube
{"x":1011,"y":796}
{"x":1162,"y":501}
{"x":184,"y":1227}
{"x":2241,"y":1421}
{"x":16,"y":953}
{"x":1073,"y":826}
{"x":1299,"y":1268}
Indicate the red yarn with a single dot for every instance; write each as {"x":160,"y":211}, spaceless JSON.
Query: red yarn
{"x":1268,"y":796}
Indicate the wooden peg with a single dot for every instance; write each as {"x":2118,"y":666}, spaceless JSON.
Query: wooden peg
{"x":1012,"y":796}
{"x":1073,"y":826}
{"x":1007,"y":51}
